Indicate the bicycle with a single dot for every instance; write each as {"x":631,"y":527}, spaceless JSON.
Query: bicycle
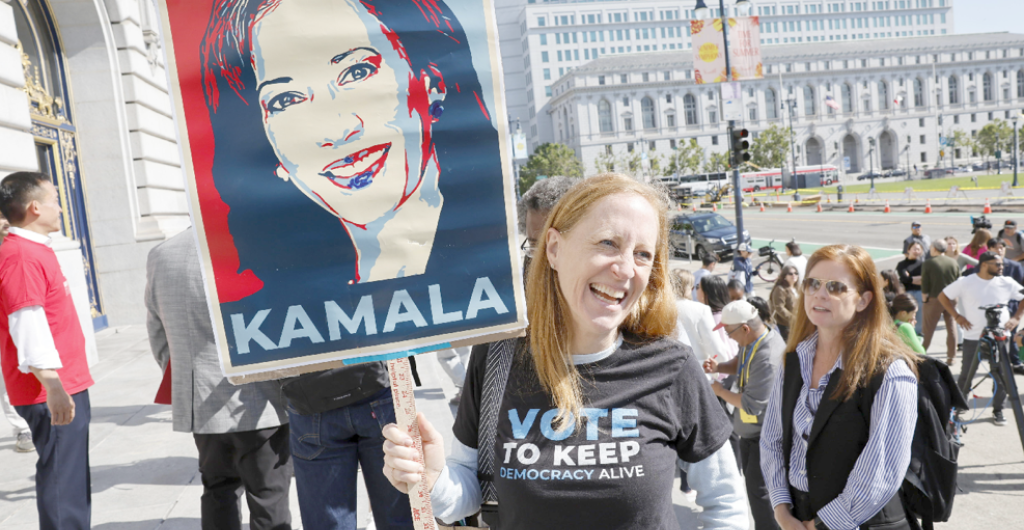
{"x":768,"y":270}
{"x":993,"y":347}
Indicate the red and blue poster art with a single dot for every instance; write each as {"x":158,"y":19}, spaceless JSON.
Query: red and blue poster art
{"x":349,"y":175}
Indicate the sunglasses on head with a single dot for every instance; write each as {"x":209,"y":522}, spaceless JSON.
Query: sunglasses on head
{"x":834,"y":287}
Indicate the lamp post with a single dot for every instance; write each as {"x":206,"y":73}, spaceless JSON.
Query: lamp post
{"x":1016,"y":161}
{"x":701,"y":12}
{"x":871,"y":161}
{"x":791,"y":103}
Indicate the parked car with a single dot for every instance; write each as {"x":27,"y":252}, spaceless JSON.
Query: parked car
{"x":979,"y":167}
{"x":897,"y":173}
{"x":708,"y":231}
{"x":868,"y":175}
{"x":961,"y":169}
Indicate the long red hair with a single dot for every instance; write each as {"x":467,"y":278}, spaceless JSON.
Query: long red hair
{"x":870,"y":342}
{"x":551,"y":332}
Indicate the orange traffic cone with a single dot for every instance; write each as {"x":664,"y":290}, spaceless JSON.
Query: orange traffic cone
{"x":819,"y":207}
{"x":762,"y":206}
{"x":887,"y":206}
{"x":694,"y":207}
{"x":856,"y":199}
{"x":828,"y":198}
{"x":714,"y":208}
{"x":789,"y":207}
{"x":851,"y":210}
{"x":928,"y":206}
{"x":988,"y":207}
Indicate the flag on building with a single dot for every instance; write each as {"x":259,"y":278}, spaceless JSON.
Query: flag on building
{"x":831,"y":103}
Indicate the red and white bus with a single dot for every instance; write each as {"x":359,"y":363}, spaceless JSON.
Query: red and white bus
{"x":805,"y":177}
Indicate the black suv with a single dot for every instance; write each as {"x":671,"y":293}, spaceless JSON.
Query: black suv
{"x":709,"y":232}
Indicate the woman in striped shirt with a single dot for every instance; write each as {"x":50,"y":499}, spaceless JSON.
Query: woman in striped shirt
{"x":836,"y":439}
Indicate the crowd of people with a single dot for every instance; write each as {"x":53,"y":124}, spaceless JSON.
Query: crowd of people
{"x":796,"y":412}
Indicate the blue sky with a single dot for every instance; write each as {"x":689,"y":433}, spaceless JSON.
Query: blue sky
{"x":984,"y":16}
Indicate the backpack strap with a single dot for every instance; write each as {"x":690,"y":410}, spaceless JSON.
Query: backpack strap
{"x":499,"y":362}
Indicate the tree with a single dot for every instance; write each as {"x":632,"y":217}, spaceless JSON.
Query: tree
{"x":997,"y":135}
{"x":607,"y":163}
{"x":958,"y":139}
{"x":716,"y":162}
{"x":550,"y":160}
{"x":686,"y":159}
{"x":771,"y":147}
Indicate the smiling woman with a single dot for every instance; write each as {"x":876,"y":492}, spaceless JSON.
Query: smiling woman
{"x":356,"y":119}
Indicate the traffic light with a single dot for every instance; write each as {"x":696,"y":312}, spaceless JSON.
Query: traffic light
{"x":740,"y":144}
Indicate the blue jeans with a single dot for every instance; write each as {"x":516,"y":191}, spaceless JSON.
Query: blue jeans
{"x":920,"y":311}
{"x":327,"y":448}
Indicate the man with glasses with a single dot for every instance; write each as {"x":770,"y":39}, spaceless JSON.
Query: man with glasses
{"x":985,"y":288}
{"x":761,"y":351}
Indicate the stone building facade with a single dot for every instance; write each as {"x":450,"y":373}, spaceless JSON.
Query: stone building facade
{"x":904,"y":94}
{"x":84,"y":98}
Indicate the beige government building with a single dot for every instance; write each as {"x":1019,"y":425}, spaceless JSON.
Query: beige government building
{"x":83,"y":98}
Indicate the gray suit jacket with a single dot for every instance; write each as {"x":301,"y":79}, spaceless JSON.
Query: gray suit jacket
{"x":204,"y":402}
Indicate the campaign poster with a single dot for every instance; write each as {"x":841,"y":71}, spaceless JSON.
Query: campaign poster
{"x":349,"y":176}
{"x":708,"y":42}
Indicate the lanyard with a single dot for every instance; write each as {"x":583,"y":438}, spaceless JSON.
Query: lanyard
{"x":745,"y":360}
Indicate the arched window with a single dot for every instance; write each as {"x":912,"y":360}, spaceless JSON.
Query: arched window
{"x":604,"y":116}
{"x":772,"y":107}
{"x":1020,"y":83}
{"x":809,"y":105}
{"x":690,"y":109}
{"x":647,"y":109}
{"x":883,"y":95}
{"x":987,"y":92}
{"x":918,"y":93}
{"x":954,"y":90}
{"x":847,"y":98}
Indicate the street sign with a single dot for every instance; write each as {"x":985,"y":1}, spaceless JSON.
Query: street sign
{"x":999,"y":154}
{"x":942,"y":153}
{"x":846,"y":163}
{"x":732,"y":101}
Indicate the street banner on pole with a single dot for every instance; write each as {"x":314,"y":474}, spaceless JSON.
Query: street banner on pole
{"x":351,"y":191}
{"x":519,"y":145}
{"x":732,"y":101}
{"x":709,"y":49}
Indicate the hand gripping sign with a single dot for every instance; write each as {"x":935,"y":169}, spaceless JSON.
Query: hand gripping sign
{"x":349,"y":179}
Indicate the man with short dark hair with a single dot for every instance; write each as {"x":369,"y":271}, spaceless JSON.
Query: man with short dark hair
{"x":42,"y":351}
{"x":916,"y":235}
{"x":1013,"y":239}
{"x":535,"y":205}
{"x":987,"y":287}
{"x":708,"y":264}
{"x":761,"y":351}
{"x":936,"y":274}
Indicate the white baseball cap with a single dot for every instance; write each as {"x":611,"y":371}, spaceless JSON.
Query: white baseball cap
{"x":738,"y":312}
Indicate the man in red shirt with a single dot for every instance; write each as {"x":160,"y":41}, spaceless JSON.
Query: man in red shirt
{"x":42,"y":351}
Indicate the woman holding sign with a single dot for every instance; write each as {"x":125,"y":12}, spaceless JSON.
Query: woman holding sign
{"x":599,"y":400}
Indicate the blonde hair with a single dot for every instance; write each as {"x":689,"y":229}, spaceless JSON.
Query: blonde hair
{"x":682,"y":283}
{"x":551,"y":333}
{"x":871,"y":342}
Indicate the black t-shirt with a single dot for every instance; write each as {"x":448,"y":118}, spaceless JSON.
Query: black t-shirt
{"x":908,"y":269}
{"x":651,"y":403}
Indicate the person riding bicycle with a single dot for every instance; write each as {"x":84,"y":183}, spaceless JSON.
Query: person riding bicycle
{"x":987,"y":287}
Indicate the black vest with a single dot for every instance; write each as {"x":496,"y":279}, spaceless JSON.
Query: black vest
{"x":837,"y":438}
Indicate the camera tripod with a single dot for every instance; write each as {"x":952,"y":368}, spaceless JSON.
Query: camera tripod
{"x":996,"y":340}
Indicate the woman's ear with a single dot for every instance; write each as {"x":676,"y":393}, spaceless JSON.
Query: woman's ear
{"x":865,"y":299}
{"x":552,"y":247}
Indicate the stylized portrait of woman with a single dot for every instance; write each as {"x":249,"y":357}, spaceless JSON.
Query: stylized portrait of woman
{"x":353,"y":99}
{"x":352,"y":145}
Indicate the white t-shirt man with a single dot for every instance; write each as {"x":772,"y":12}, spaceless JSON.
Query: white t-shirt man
{"x":975,"y":292}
